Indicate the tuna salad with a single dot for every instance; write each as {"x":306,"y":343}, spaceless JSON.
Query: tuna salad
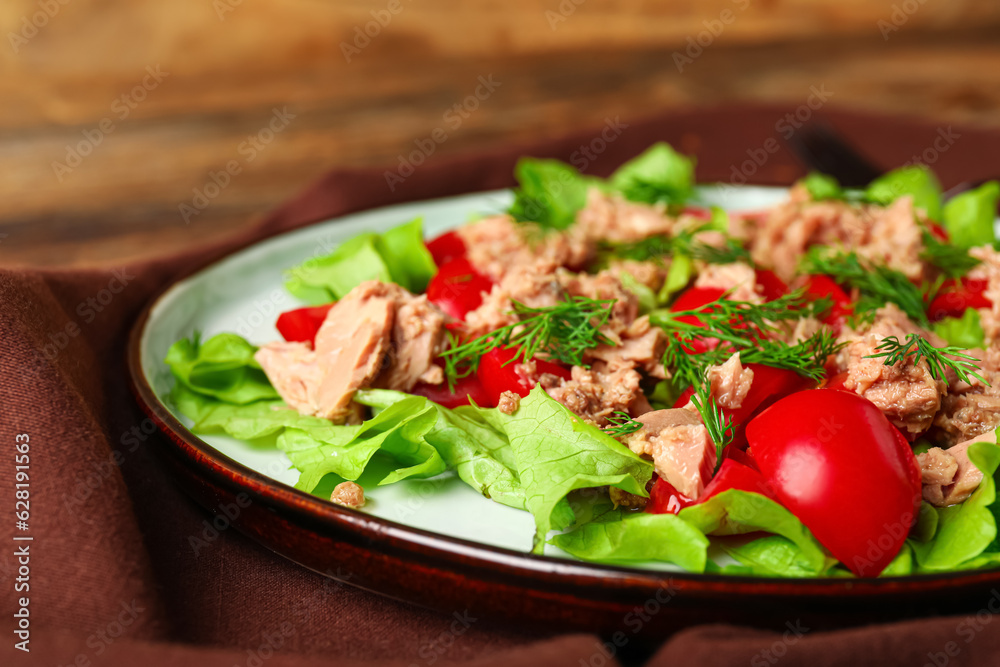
{"x":810,"y":390}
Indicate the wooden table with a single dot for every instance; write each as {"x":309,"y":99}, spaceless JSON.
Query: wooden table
{"x":119,"y":119}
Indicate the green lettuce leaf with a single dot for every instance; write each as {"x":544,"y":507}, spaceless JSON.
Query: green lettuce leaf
{"x":919,"y":182}
{"x":822,"y":186}
{"x":398,"y":431}
{"x":735,"y":512}
{"x":222,"y":367}
{"x":549,"y":192}
{"x":965,"y":331}
{"x":969,"y":217}
{"x":966,"y":530}
{"x":618,"y":536}
{"x":479,"y":454}
{"x":776,"y":556}
{"x":556,"y":453}
{"x":660,"y":175}
{"x":398,"y":255}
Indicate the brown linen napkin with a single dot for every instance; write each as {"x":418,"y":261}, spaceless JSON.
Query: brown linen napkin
{"x":113,"y":576}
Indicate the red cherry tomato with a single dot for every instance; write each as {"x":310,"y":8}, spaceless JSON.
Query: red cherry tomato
{"x":838,"y":381}
{"x":499,"y":374}
{"x":823,"y":286}
{"x":458,"y":288}
{"x":692,"y":299}
{"x":302,"y":324}
{"x":467,"y":390}
{"x":837,"y":464}
{"x":769,"y":384}
{"x":773,"y":287}
{"x":734,"y":474}
{"x":665,"y":499}
{"x":955,"y":296}
{"x":446,"y":247}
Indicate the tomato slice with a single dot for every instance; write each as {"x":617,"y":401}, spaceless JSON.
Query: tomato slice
{"x":302,"y":324}
{"x":734,"y":474}
{"x":835,"y":461}
{"x":692,"y":299}
{"x":698,"y":212}
{"x":824,"y":286}
{"x":458,"y":288}
{"x":773,"y":287}
{"x":957,"y":295}
{"x":665,"y":499}
{"x":446,"y":247}
{"x":769,"y":385}
{"x":467,"y":390}
{"x":498,"y":373}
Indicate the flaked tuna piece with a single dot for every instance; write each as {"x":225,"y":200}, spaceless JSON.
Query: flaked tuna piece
{"x":292,"y":369}
{"x":730,"y":382}
{"x":595,"y":393}
{"x":641,"y":344}
{"x":536,"y":285}
{"x":417,"y":338}
{"x":884,"y":235}
{"x":603,"y":285}
{"x":906,"y":393}
{"x":794,"y":332}
{"x":348,"y":494}
{"x":738,"y":277}
{"x":935,"y":464}
{"x":610,"y":217}
{"x":651,"y":274}
{"x":971,"y":409}
{"x":351,"y":348}
{"x":681,"y":449}
{"x":497,"y":244}
{"x":989,"y":270}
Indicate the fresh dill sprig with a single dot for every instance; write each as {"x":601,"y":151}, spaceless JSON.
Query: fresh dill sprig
{"x":914,"y":348}
{"x":877,"y":283}
{"x":657,"y":247}
{"x":562,"y":332}
{"x":953,"y":261}
{"x":731,"y":252}
{"x":740,"y":323}
{"x":720,"y":427}
{"x":621,"y":424}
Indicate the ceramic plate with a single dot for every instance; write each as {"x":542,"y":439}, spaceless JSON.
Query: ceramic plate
{"x":437,"y":542}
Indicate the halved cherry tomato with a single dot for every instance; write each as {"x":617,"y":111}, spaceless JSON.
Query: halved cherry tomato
{"x":467,"y":390}
{"x":665,"y":499}
{"x":302,"y":324}
{"x":955,"y":296}
{"x":769,"y":384}
{"x":734,"y":474}
{"x":458,"y":288}
{"x":446,"y":247}
{"x":692,"y":299}
{"x":499,"y":373}
{"x":836,"y":463}
{"x":773,"y":287}
{"x":824,"y":286}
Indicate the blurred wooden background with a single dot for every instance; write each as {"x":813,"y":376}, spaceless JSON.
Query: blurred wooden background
{"x":161,"y":94}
